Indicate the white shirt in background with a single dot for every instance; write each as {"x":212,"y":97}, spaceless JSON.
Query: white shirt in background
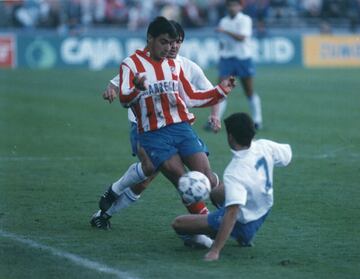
{"x":241,"y":24}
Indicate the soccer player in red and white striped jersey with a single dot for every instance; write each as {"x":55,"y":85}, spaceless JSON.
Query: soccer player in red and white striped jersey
{"x":159,"y":93}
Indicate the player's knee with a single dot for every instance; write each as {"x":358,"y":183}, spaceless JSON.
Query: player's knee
{"x":148,"y":168}
{"x":177,"y":224}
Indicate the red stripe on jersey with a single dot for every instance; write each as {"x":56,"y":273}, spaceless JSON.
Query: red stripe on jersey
{"x":190,"y":92}
{"x":127,"y":98}
{"x":181,"y":109}
{"x":173,"y":69}
{"x":131,"y":79}
{"x":120,"y":78}
{"x":137,"y":112}
{"x":139,"y":66}
{"x":166,"y":109}
{"x":151,"y":114}
{"x":158,"y":70}
{"x":156,"y":65}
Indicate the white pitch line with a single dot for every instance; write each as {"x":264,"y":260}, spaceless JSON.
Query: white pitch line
{"x":335,"y":153}
{"x":76,"y":259}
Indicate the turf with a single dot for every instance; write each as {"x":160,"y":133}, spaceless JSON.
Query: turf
{"x":61,"y":145}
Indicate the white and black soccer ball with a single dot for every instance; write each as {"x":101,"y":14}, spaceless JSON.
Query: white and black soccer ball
{"x":194,"y":186}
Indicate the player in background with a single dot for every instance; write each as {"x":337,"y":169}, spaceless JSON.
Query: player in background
{"x":116,"y":198}
{"x":248,"y":188}
{"x":235,"y":31}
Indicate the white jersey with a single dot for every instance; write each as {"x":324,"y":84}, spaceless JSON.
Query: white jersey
{"x":248,"y":178}
{"x":192,"y":71}
{"x":241,"y":24}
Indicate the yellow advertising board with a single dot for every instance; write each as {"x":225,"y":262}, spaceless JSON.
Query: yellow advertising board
{"x":331,"y":51}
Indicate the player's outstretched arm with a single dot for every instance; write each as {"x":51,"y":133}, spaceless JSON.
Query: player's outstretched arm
{"x":223,"y":234}
{"x":110,"y":92}
{"x":215,"y":123}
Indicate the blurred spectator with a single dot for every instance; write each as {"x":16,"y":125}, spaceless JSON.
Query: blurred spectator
{"x":261,"y":30}
{"x":333,"y":8}
{"x":116,"y":12}
{"x":325,"y":28}
{"x":72,"y":14}
{"x":216,"y":10}
{"x":140,"y":14}
{"x":257,"y":9}
{"x":311,"y":8}
{"x":171,"y":11}
{"x":50,"y":14}
{"x":279,"y":7}
{"x":26,"y":13}
{"x":191,"y":15}
{"x":354,"y":14}
{"x":76,"y":15}
{"x":7,"y":8}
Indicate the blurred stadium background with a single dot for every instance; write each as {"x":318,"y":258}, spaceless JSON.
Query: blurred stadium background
{"x":75,"y":33}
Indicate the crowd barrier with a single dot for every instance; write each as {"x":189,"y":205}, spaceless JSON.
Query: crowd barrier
{"x":97,"y":52}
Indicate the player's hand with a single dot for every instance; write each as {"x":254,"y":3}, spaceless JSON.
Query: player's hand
{"x":211,"y":256}
{"x":110,"y":93}
{"x":215,"y":123}
{"x":140,"y":82}
{"x":228,"y":84}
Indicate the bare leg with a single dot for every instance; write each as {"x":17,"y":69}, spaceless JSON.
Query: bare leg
{"x":192,"y":224}
{"x":200,"y":162}
{"x":173,"y":169}
{"x":247,"y":85}
{"x":147,"y":166}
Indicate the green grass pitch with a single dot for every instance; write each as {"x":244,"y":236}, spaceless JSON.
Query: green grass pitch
{"x":61,"y":145}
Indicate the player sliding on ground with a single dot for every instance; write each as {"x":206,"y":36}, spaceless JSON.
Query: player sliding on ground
{"x":248,"y":188}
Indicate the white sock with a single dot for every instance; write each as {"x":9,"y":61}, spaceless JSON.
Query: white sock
{"x":134,"y":175}
{"x":203,"y":240}
{"x":197,"y":240}
{"x":255,"y":108}
{"x":126,"y":198}
{"x":222,"y":108}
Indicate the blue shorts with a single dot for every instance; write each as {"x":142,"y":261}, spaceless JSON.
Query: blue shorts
{"x":235,"y":67}
{"x":162,"y":144}
{"x":243,"y":233}
{"x":134,"y":138}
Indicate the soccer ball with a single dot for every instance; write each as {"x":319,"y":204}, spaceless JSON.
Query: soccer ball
{"x":194,"y":186}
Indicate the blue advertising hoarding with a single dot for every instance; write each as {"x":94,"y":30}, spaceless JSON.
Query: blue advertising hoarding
{"x":99,"y":52}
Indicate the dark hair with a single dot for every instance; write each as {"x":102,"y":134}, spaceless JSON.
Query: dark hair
{"x":241,"y":127}
{"x":160,"y":25}
{"x":179,"y":29}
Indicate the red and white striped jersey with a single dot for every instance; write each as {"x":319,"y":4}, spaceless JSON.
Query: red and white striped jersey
{"x":168,"y":94}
